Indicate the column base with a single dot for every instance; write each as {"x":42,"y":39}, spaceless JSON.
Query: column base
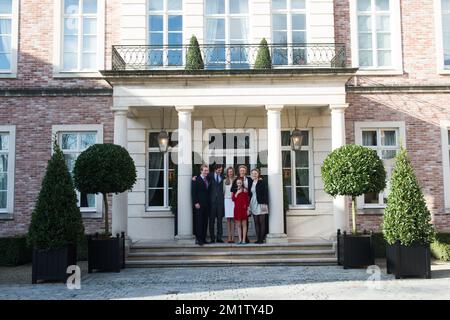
{"x":276,"y":238}
{"x":184,"y":239}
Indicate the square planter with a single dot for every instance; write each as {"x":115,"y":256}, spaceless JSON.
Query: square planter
{"x":408,"y":261}
{"x":51,"y":265}
{"x":355,"y":251}
{"x":106,"y":254}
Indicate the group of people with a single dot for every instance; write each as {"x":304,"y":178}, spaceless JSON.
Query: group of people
{"x":236,"y":198}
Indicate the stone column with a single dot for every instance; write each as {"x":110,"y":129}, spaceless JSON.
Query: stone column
{"x":274,"y":172}
{"x":337,"y":141}
{"x":120,"y":201}
{"x":185,"y":219}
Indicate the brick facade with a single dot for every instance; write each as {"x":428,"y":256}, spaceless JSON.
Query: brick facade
{"x":34,"y":116}
{"x":421,"y":112}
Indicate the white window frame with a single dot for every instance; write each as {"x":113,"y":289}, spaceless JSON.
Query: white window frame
{"x":165,"y":13}
{"x":399,"y":126}
{"x":441,"y":69}
{"x":57,"y":130}
{"x":396,"y":42}
{"x":445,"y":127}
{"x":58,"y":42}
{"x":8,"y":212}
{"x":12,"y":72}
{"x":166,"y":207}
{"x":310,"y":150}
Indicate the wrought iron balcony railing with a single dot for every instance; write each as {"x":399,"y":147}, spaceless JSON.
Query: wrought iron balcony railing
{"x":228,"y":56}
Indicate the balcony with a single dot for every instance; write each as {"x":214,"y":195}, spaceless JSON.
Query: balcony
{"x":229,"y":56}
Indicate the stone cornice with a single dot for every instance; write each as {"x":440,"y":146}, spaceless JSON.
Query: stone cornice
{"x":399,"y":89}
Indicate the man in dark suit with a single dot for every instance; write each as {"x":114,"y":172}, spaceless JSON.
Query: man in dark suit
{"x":200,"y":199}
{"x":216,"y":201}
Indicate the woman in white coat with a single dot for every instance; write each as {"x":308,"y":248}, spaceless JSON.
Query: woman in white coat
{"x":229,"y":204}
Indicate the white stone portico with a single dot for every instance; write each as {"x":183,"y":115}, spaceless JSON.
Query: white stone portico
{"x":268,"y":103}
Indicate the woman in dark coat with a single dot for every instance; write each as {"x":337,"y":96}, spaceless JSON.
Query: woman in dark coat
{"x":259,"y":204}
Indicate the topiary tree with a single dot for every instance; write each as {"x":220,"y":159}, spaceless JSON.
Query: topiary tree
{"x":406,"y":217}
{"x":194,"y":60}
{"x":263,"y":59}
{"x":104,"y":168}
{"x":56,"y":220}
{"x":352,"y":171}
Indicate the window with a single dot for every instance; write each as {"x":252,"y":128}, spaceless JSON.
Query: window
{"x":165,"y":32}
{"x":376,"y":33}
{"x":289,"y":27}
{"x":384,"y":138}
{"x":82,"y":35}
{"x":74,"y":139}
{"x":7,"y":154}
{"x":298,"y":170}
{"x":72,"y":144}
{"x":161,"y":173}
{"x":444,"y":37}
{"x":8,"y":35}
{"x":227,"y":28}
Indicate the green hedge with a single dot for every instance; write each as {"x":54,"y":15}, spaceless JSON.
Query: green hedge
{"x":440,"y":248}
{"x":14,"y":251}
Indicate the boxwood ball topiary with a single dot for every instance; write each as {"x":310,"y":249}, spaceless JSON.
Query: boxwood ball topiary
{"x":353,"y":170}
{"x":104,"y":168}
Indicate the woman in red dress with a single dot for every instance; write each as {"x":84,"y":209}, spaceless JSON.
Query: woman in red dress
{"x":240,"y":198}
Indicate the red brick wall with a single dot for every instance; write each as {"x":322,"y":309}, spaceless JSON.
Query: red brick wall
{"x":420,"y":112}
{"x":33,"y":118}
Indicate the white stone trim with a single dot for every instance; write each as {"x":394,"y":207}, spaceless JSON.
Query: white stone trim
{"x":58,"y":42}
{"x":11,"y":130}
{"x":56,"y":129}
{"x":396,"y":42}
{"x":445,"y":126}
{"x":361,"y":125}
{"x":439,"y":39}
{"x":12,"y":73}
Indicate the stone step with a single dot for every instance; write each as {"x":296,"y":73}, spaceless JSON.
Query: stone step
{"x":230,"y":262}
{"x":238,"y":255}
{"x":217,"y":247}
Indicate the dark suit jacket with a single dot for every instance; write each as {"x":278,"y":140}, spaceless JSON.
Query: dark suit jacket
{"x":216,"y":196}
{"x":200,"y":193}
{"x":262,"y":194}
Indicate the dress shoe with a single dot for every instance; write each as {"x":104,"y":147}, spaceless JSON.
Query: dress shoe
{"x":200,"y":243}
{"x":219,"y":241}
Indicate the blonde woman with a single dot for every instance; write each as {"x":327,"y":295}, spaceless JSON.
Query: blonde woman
{"x":229,"y":204}
{"x":259,"y":204}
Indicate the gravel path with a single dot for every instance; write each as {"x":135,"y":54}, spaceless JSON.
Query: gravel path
{"x":329,"y":282}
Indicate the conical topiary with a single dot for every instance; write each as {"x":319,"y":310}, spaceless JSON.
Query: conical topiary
{"x":263,"y":59}
{"x":406,"y":217}
{"x":56,"y":220}
{"x":194,"y":60}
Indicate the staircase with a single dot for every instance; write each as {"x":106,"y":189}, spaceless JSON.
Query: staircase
{"x":157,"y":255}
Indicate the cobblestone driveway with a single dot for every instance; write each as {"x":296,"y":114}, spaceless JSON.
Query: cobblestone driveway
{"x":229,"y":283}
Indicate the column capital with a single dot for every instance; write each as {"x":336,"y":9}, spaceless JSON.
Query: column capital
{"x":120,"y":112}
{"x":274,"y":107}
{"x":338,"y":107}
{"x":188,"y":109}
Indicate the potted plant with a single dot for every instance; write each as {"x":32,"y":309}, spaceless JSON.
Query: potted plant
{"x":263,"y":60}
{"x":354,"y":170}
{"x":407,"y":224}
{"x":105,"y":169}
{"x":194,"y":60}
{"x":56,"y":224}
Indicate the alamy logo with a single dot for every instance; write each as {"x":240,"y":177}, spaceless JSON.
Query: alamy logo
{"x":74,"y":280}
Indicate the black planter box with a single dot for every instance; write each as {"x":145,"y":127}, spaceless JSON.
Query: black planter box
{"x":51,"y":265}
{"x":408,"y":261}
{"x":106,"y":254}
{"x":355,"y":251}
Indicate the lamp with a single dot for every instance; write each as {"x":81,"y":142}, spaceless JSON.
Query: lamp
{"x":296,"y":136}
{"x":163,"y":138}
